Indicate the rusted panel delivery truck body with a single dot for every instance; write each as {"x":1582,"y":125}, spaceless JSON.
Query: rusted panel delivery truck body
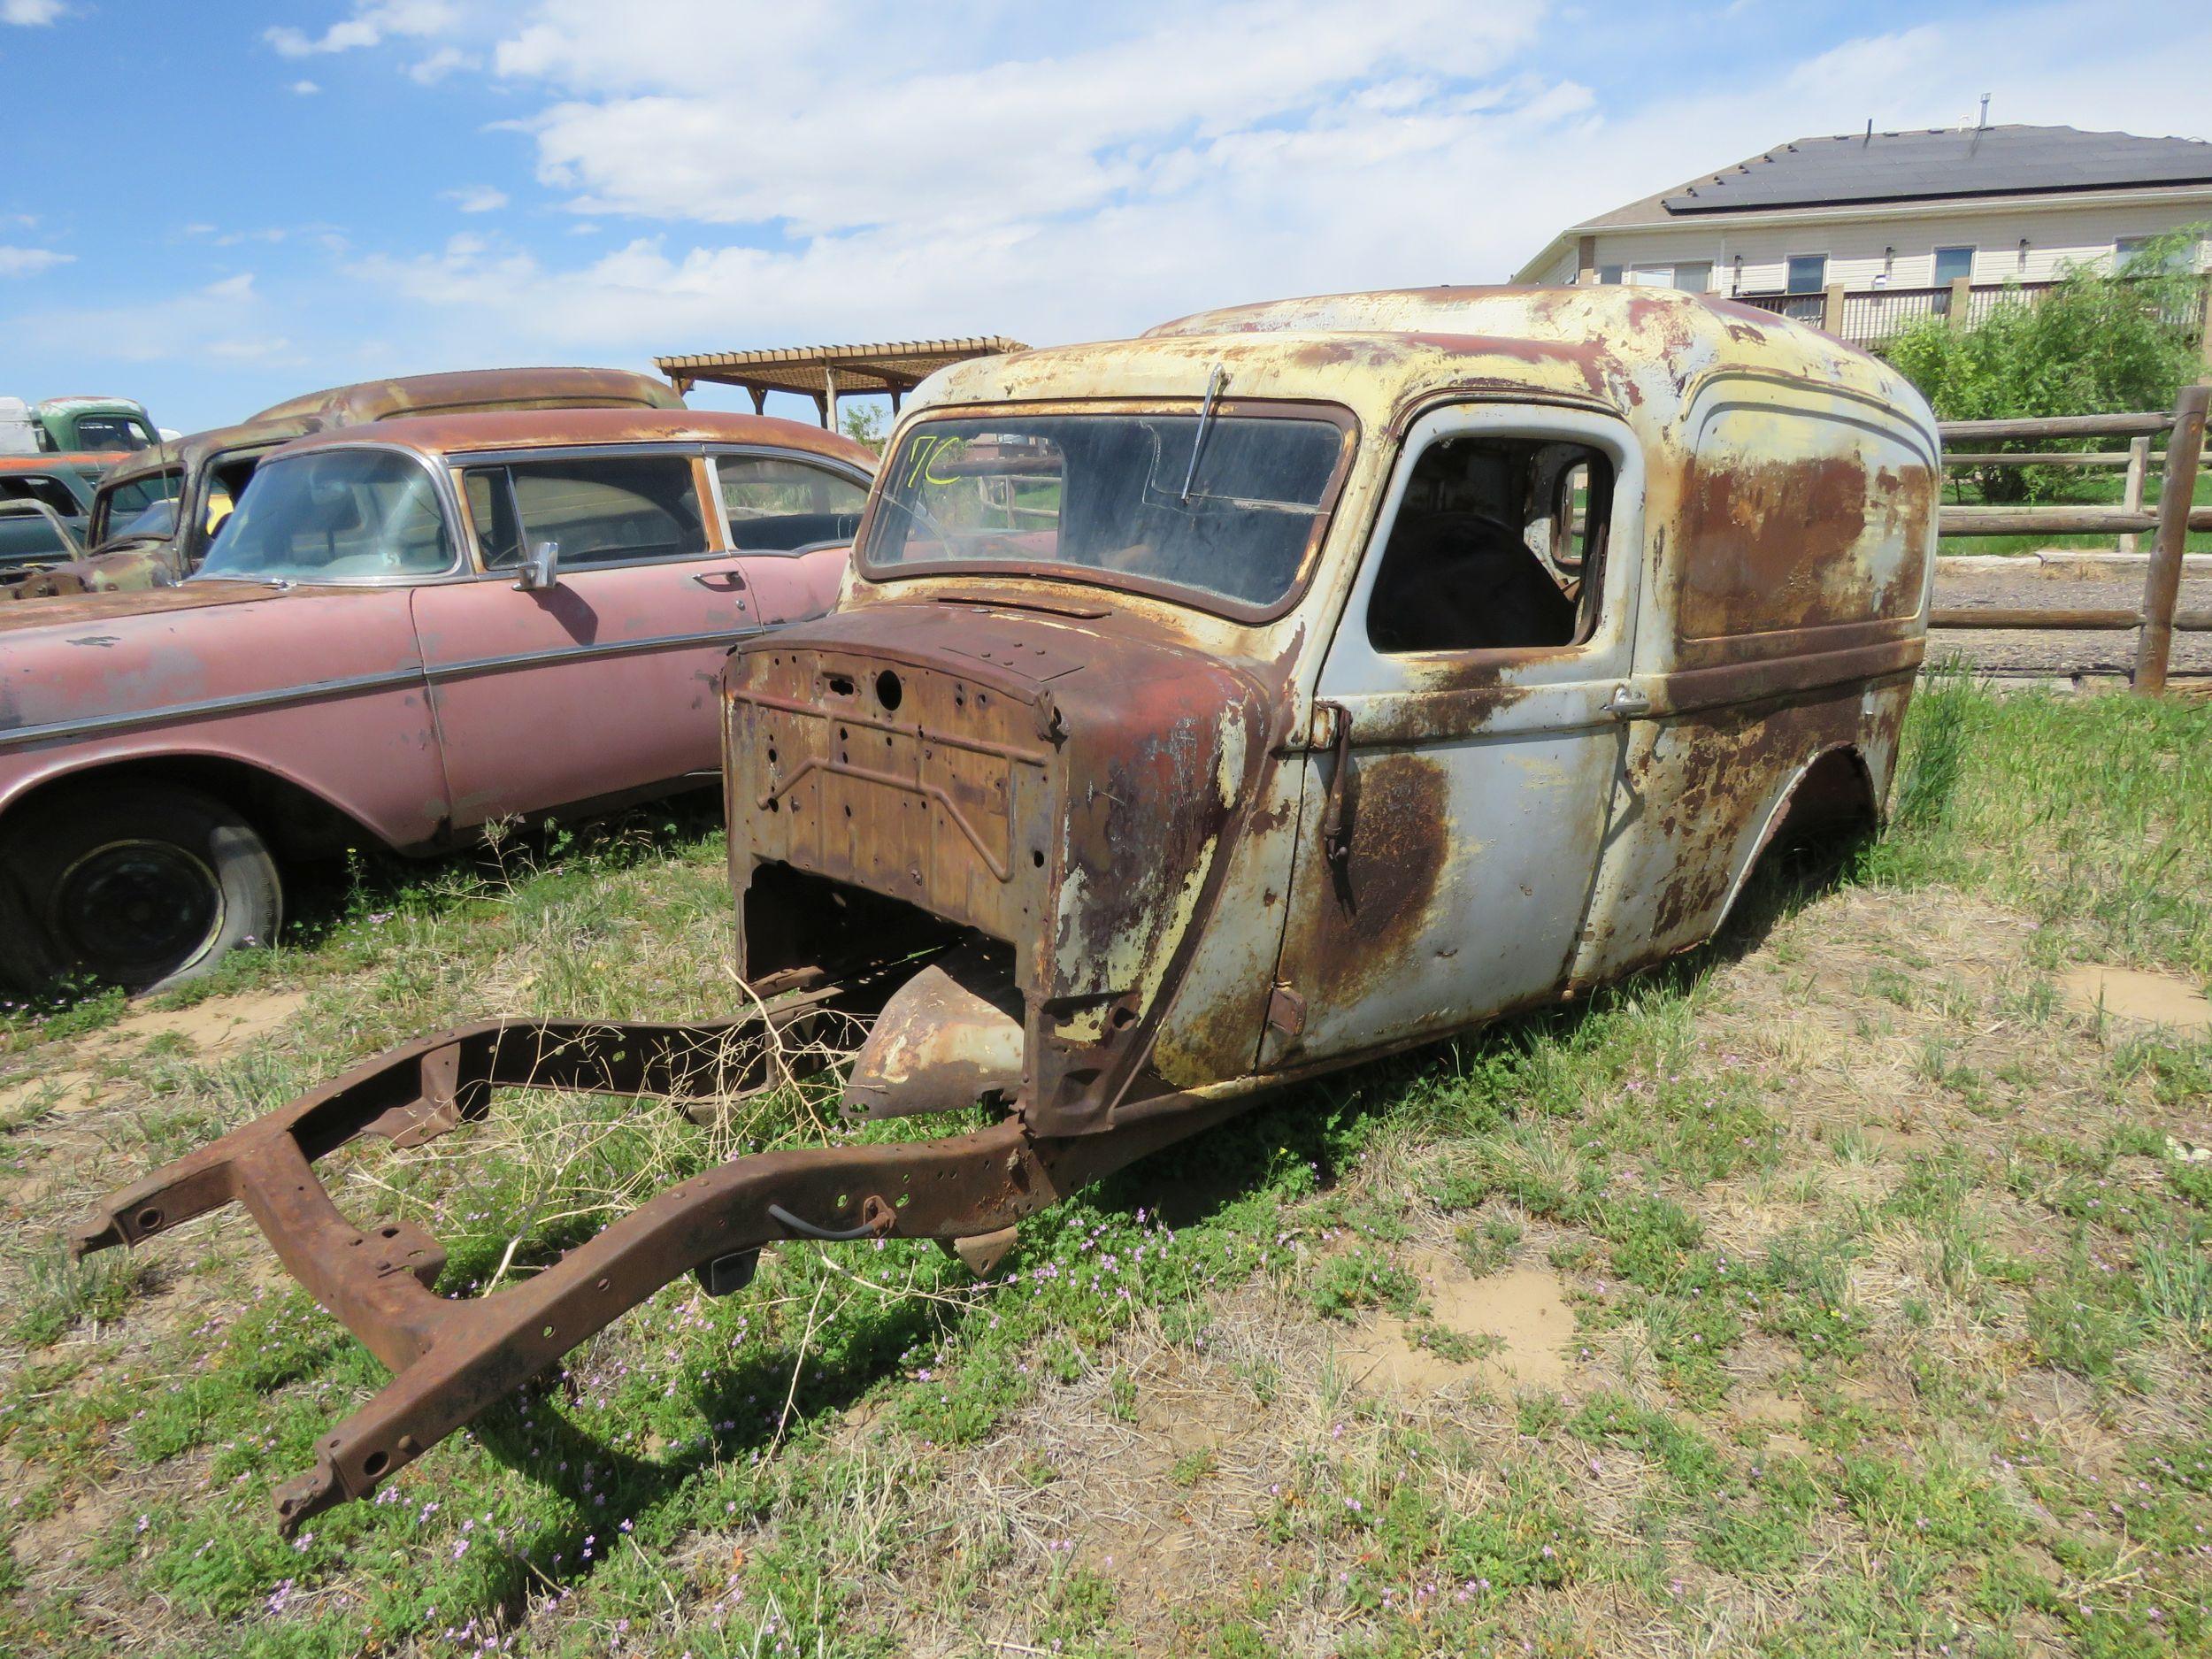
{"x":1202,"y":711}
{"x":1485,"y":641}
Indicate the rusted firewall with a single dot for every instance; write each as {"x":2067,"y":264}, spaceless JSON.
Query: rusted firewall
{"x":1065,"y":784}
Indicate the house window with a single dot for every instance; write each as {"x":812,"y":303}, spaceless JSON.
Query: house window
{"x":1951,"y":264}
{"x":2132,"y":256}
{"x":1609,"y":273}
{"x":1808,"y":272}
{"x":1694,"y":277}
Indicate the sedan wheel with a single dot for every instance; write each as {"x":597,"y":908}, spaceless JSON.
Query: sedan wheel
{"x":142,"y":886}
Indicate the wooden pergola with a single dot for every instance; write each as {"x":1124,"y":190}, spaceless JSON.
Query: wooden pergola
{"x":827,"y":373}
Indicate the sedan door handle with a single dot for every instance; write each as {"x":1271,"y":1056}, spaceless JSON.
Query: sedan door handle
{"x":720,"y":581}
{"x":1626,"y":704}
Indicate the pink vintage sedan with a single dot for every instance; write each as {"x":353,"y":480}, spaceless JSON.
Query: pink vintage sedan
{"x":402,"y":633}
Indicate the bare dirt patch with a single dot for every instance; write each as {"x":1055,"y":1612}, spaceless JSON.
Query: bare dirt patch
{"x":2156,"y":999}
{"x":67,"y":1090}
{"x":60,"y":1080}
{"x":219,"y":1023}
{"x":1519,"y":1321}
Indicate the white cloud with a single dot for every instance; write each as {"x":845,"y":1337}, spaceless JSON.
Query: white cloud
{"x":31,"y":13}
{"x":305,"y":88}
{"x":822,"y":146}
{"x":766,"y":173}
{"x":16,"y":262}
{"x":798,"y":176}
{"x":222,"y":238}
{"x":476,"y":198}
{"x":370,"y":26}
{"x":429,"y":71}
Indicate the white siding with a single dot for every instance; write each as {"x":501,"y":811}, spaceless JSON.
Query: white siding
{"x":1854,"y":248}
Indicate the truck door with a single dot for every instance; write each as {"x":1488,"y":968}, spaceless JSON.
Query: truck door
{"x":1470,"y":723}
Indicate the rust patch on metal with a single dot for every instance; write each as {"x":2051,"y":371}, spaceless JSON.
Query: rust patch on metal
{"x":1398,"y":848}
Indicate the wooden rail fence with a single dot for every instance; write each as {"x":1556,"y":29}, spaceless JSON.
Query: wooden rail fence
{"x":2170,"y":526}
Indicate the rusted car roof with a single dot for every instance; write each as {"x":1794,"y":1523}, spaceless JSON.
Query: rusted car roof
{"x":1636,"y":351}
{"x":184,"y":454}
{"x":543,"y":429}
{"x":383,"y":402}
{"x":473,"y":388}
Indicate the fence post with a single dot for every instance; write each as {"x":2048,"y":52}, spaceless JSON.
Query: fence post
{"x":2132,"y":496}
{"x":1962,"y":301}
{"x":2161,"y":581}
{"x":2204,"y":323}
{"x":1831,"y":310}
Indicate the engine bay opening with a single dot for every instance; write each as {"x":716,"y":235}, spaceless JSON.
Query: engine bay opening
{"x":793,"y":920}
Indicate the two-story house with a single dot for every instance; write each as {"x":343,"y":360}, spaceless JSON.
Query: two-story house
{"x":1861,"y":232}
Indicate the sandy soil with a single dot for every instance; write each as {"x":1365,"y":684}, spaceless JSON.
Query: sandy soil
{"x":2060,"y":655}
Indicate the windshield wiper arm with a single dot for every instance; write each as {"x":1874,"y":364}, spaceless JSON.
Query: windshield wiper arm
{"x":1205,"y":419}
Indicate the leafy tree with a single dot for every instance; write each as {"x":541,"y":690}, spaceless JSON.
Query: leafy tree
{"x":863,"y":423}
{"x":2098,"y":343}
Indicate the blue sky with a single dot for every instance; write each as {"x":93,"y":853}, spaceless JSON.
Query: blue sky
{"x":213,"y":206}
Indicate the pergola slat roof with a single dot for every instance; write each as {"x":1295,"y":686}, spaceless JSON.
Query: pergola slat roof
{"x":826,"y":372}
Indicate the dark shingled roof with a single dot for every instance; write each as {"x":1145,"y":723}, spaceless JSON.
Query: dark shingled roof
{"x":1938,"y":164}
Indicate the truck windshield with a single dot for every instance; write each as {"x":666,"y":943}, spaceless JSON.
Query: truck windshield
{"x":1112,"y":495}
{"x":333,"y":516}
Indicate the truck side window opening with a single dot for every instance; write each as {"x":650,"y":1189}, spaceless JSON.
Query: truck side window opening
{"x":49,"y":491}
{"x":1496,"y":546}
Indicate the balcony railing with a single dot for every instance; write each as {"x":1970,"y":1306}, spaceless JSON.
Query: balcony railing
{"x":1869,"y":316}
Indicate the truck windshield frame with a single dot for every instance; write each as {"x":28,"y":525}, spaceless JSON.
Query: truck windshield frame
{"x":1094,"y":494}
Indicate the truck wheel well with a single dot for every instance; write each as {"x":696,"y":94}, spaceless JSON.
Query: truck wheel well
{"x":1833,"y":799}
{"x":1831,"y":806}
{"x":296,"y":822}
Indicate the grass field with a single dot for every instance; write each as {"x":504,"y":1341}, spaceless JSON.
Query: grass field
{"x":1842,"y":1289}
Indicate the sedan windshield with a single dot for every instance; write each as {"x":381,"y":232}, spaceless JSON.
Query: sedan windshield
{"x":1113,"y":496}
{"x":333,"y":516}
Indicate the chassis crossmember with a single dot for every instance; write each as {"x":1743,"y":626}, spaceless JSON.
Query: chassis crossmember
{"x":452,"y":1358}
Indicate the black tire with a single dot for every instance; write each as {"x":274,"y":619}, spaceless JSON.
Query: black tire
{"x":144,"y":886}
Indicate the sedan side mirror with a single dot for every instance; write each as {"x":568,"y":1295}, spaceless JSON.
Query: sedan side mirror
{"x":541,"y":569}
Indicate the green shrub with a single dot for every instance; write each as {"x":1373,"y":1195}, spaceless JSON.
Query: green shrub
{"x":2095,"y":344}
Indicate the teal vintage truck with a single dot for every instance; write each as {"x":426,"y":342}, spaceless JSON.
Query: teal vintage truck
{"x":69,"y":424}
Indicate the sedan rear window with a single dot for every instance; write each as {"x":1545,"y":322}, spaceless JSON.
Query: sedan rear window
{"x":778,"y":506}
{"x":597,"y":510}
{"x":47,"y":491}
